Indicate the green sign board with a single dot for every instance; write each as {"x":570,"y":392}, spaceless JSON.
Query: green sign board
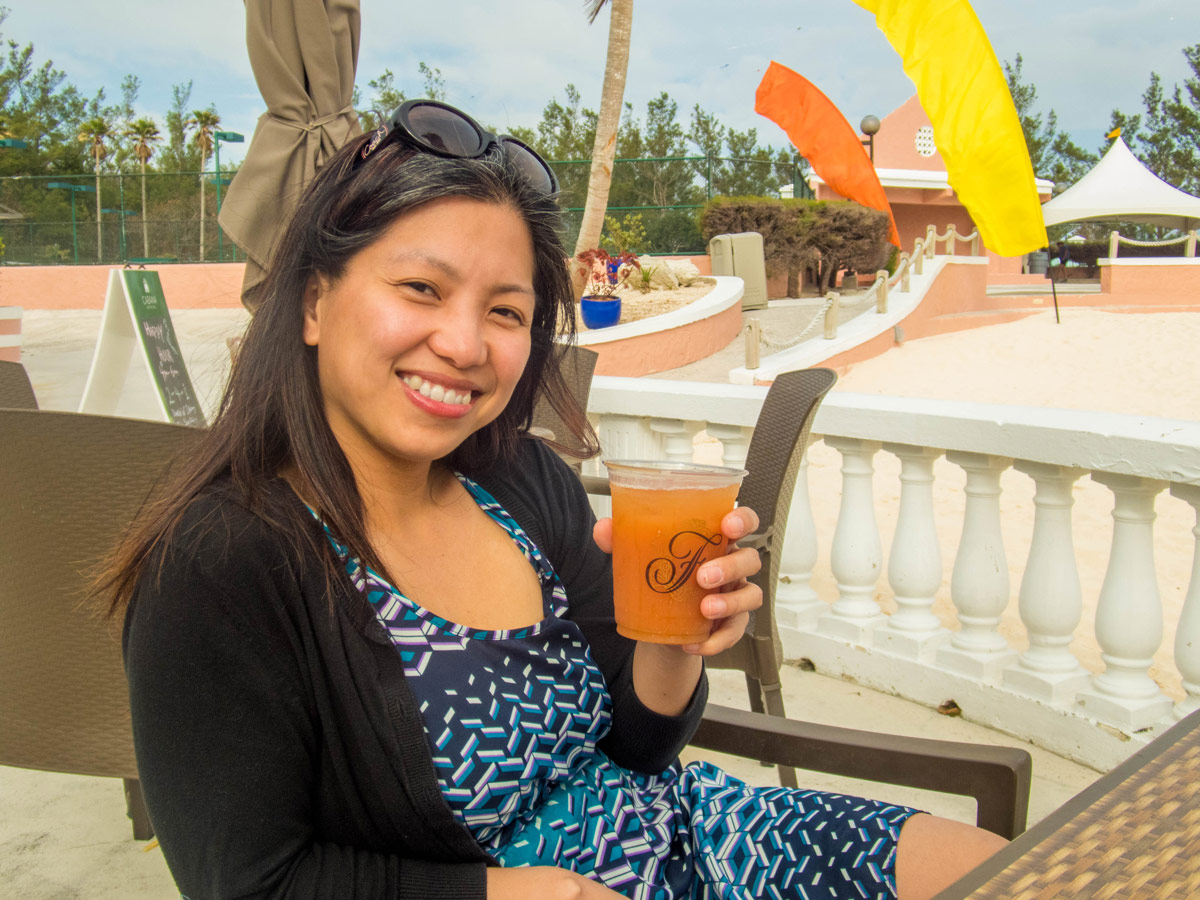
{"x":157,"y":337}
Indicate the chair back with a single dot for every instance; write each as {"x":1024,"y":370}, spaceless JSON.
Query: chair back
{"x":16,"y":392}
{"x":776,"y":449}
{"x":70,"y":483}
{"x":578,"y":366}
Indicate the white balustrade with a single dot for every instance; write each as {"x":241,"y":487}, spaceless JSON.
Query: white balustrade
{"x":915,"y":560}
{"x":979,"y":586}
{"x":1187,"y":633}
{"x":797,"y":606}
{"x":1051,"y":600}
{"x":1129,"y":618}
{"x":857,"y":556}
{"x":1044,"y":693}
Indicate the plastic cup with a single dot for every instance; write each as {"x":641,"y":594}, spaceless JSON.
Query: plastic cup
{"x":666,"y":524}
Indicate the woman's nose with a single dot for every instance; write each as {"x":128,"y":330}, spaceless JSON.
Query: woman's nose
{"x":459,"y":338}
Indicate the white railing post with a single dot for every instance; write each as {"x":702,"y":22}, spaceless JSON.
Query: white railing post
{"x":1051,"y":600}
{"x":735,"y":443}
{"x":931,"y":239}
{"x":915,"y":560}
{"x":1187,"y":633}
{"x":1129,"y":616}
{"x":677,"y":437}
{"x":857,"y":556}
{"x":979,"y":585}
{"x":797,"y":606}
{"x":975,"y":242}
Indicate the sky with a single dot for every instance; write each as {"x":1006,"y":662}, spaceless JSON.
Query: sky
{"x":503,"y":60}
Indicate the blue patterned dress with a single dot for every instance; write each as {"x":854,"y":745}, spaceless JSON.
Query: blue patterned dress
{"x":513,"y":718}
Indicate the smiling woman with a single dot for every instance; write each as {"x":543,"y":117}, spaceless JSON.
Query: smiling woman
{"x":369,"y":631}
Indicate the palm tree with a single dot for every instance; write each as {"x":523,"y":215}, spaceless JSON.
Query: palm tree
{"x":205,"y":122}
{"x":95,"y":131}
{"x":145,"y":131}
{"x":612,"y":95}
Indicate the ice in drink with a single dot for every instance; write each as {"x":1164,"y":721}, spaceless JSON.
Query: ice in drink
{"x":666,"y":524}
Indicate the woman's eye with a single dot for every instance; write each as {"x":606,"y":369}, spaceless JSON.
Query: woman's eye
{"x":509,"y":313}
{"x":420,"y":287}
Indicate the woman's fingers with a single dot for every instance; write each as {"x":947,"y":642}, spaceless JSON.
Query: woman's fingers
{"x":739,"y":522}
{"x":726,"y":633}
{"x":729,"y":569}
{"x":602,"y":534}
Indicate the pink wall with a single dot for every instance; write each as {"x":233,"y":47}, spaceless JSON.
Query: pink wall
{"x":662,"y":350}
{"x":186,"y":286}
{"x":1152,"y":284}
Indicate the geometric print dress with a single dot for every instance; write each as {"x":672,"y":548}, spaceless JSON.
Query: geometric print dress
{"x":513,"y":718}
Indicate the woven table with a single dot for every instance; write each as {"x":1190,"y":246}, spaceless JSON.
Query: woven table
{"x":1133,"y":834}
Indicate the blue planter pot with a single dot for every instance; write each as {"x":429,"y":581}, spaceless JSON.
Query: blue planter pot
{"x":600,"y":312}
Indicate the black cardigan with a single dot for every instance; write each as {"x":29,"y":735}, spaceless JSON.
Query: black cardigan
{"x":279,"y":746}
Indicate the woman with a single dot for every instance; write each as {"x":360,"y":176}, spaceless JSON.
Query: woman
{"x":368,"y":629}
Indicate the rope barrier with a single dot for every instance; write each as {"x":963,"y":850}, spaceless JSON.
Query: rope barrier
{"x":1136,"y":243}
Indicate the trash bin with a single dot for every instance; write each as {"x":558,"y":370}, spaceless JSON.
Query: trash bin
{"x":1039,"y":262}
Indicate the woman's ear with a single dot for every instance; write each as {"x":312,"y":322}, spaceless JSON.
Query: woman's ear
{"x":313,"y":292}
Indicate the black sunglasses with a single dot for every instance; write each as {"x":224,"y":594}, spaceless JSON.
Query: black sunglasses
{"x":441,"y":129}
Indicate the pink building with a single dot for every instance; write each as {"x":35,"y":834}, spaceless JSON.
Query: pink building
{"x":913,"y":174}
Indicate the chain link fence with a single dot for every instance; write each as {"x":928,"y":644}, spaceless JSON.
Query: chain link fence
{"x":62,"y":220}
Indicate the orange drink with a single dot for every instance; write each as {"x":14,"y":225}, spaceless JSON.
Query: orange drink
{"x":666,"y":524}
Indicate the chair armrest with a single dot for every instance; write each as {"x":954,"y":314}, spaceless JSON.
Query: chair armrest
{"x":997,"y":777}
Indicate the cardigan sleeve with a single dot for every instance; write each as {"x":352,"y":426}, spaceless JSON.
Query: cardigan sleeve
{"x":225,"y":735}
{"x":547,"y":498}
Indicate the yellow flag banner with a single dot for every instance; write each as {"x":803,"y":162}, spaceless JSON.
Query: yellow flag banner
{"x":947,"y":54}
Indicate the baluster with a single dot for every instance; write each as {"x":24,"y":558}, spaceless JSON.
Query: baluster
{"x":677,"y":437}
{"x":621,"y":437}
{"x":857,"y":556}
{"x":1187,"y":633}
{"x":951,"y":236}
{"x":930,"y":241}
{"x":735,"y":443}
{"x":905,"y":273}
{"x":1129,"y":616}
{"x":919,"y":258}
{"x":797,"y":606}
{"x":881,"y":298}
{"x":915,"y":560}
{"x":1051,"y":600}
{"x":979,"y":585}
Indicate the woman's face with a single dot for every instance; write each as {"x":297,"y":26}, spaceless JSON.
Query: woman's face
{"x":422,"y":340}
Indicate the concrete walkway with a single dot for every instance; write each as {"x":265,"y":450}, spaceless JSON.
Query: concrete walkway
{"x":66,"y":836}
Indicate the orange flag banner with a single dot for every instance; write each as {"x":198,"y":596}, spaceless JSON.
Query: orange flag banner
{"x":823,"y":136}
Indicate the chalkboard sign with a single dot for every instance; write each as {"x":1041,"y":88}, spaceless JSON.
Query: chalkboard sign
{"x":157,"y":337}
{"x":136,"y":319}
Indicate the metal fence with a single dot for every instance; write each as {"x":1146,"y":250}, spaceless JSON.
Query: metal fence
{"x":114,"y":219}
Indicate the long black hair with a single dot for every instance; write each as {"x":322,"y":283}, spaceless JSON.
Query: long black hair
{"x":271,"y":417}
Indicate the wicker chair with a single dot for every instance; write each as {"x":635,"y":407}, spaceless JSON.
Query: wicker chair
{"x":16,"y":392}
{"x":69,"y":484}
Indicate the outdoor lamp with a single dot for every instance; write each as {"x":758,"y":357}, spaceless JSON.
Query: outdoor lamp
{"x":870,"y":127}
{"x":229,"y":137}
{"x":74,"y":189}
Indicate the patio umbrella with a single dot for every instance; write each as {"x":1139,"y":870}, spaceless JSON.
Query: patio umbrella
{"x":303,"y":53}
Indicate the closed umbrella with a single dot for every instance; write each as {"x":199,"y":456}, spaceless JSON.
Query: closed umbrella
{"x":304,"y":54}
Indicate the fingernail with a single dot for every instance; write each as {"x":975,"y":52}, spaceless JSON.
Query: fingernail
{"x":709,"y":576}
{"x":715,"y":608}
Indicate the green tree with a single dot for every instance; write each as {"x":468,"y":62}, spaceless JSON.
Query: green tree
{"x":144,"y":133}
{"x":205,"y":121}
{"x":175,"y":156}
{"x":1053,"y":154}
{"x":1166,"y":135}
{"x":94,"y":133}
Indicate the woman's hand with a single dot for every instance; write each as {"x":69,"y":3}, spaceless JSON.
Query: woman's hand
{"x":544,"y":883}
{"x":733,"y":599}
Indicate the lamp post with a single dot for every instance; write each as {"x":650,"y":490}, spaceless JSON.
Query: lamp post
{"x":229,"y":137}
{"x":74,"y":189}
{"x":122,"y":213}
{"x":870,"y":127}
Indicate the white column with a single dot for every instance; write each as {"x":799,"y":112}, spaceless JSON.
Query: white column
{"x":1051,"y":600}
{"x":797,"y":606}
{"x":735,"y":443}
{"x":915,"y":561}
{"x":1187,"y":634}
{"x":979,"y":585}
{"x":1129,"y":616}
{"x":857,"y":556}
{"x":676,"y":437}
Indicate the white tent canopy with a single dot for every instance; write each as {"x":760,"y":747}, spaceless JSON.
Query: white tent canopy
{"x":1120,"y":187}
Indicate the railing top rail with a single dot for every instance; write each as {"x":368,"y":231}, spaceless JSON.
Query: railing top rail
{"x":1166,"y":449}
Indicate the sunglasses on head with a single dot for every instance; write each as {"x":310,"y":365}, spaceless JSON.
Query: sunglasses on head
{"x":438,"y":128}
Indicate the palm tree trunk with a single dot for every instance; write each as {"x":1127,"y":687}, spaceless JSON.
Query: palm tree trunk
{"x":145,"y":228}
{"x":604,"y":150}
{"x":99,"y":224}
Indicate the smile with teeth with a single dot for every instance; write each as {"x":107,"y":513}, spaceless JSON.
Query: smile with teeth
{"x":437,"y":392}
